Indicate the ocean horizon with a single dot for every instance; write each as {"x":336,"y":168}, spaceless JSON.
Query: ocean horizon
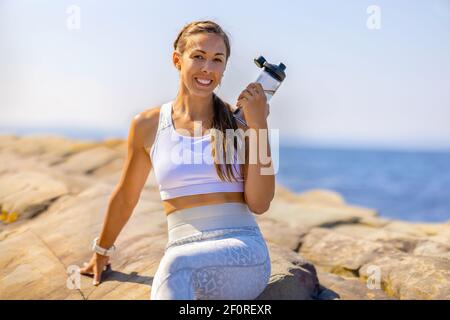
{"x":411,"y":185}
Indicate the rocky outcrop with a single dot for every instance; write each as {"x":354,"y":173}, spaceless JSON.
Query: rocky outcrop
{"x":54,"y":194}
{"x":29,"y":192}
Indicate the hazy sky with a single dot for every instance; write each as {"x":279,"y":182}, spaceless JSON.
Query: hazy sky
{"x":346,"y":83}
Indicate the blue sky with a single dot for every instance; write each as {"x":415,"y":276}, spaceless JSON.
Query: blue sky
{"x":346,"y":84}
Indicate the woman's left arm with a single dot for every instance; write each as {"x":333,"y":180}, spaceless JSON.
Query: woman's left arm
{"x":259,"y":174}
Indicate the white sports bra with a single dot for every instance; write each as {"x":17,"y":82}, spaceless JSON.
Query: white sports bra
{"x":183,"y":165}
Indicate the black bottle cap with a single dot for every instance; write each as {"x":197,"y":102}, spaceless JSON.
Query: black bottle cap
{"x":260,"y":61}
{"x":275,"y":71}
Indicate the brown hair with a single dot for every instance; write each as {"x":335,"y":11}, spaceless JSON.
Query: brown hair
{"x":223,"y":118}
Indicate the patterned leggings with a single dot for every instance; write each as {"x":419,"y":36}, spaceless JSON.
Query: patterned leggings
{"x":219,"y":263}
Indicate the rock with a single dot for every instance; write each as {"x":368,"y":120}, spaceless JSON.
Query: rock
{"x":280,"y":233}
{"x":111,"y":171}
{"x":12,"y":163}
{"x":78,"y":219}
{"x":74,"y":221}
{"x":30,"y":270}
{"x":337,"y":253}
{"x":312,"y":196}
{"x":324,"y":197}
{"x":432,"y":249}
{"x":320,"y":246}
{"x":411,"y":277}
{"x":292,"y":277}
{"x":28,"y":193}
{"x":351,"y":288}
{"x":398,"y":240}
{"x":89,"y":160}
{"x":326,"y":204}
{"x":419,"y":243}
{"x":373,"y":221}
{"x":46,"y":148}
{"x":403,"y":276}
{"x":415,"y":229}
{"x":133,"y":269}
{"x":311,"y":215}
{"x":443,"y":235}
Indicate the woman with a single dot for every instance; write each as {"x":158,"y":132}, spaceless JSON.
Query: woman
{"x":215,"y":248}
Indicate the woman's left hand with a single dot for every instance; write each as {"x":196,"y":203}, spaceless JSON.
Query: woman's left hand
{"x":253,"y":102}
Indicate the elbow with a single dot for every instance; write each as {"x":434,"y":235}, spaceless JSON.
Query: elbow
{"x":259,"y":208}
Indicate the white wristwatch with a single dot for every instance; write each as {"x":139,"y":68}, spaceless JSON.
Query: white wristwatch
{"x":100,"y":250}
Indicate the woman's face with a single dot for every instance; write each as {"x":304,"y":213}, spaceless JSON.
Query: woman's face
{"x":204,"y":60}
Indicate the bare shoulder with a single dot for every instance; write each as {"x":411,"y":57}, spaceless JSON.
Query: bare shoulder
{"x":146,"y":125}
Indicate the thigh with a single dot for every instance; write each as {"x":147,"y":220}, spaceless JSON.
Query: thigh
{"x":230,"y":282}
{"x":226,"y":267}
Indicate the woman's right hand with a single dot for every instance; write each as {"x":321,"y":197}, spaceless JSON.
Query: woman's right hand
{"x":95,"y":267}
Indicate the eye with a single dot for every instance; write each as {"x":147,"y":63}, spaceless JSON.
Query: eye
{"x":199,"y":56}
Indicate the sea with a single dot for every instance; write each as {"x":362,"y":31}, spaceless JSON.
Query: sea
{"x":399,"y":184}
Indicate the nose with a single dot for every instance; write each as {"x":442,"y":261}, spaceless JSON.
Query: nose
{"x":206,"y":68}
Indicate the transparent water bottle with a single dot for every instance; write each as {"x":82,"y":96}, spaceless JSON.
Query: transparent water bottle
{"x":270,"y":78}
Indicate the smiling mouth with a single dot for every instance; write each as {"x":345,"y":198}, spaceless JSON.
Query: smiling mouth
{"x":203,"y":82}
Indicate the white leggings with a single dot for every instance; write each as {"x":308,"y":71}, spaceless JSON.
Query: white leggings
{"x":214,"y":252}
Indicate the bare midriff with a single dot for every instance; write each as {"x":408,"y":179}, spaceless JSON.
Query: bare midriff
{"x":172,"y":205}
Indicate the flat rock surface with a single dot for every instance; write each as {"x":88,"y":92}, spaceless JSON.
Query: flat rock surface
{"x":54,"y":194}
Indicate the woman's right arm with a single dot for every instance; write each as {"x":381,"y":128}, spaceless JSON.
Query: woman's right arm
{"x":127,"y":193}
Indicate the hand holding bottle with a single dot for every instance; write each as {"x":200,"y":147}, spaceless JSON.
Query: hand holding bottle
{"x":253,"y":102}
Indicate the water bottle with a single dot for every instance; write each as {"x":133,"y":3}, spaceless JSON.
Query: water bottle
{"x":270,"y":78}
